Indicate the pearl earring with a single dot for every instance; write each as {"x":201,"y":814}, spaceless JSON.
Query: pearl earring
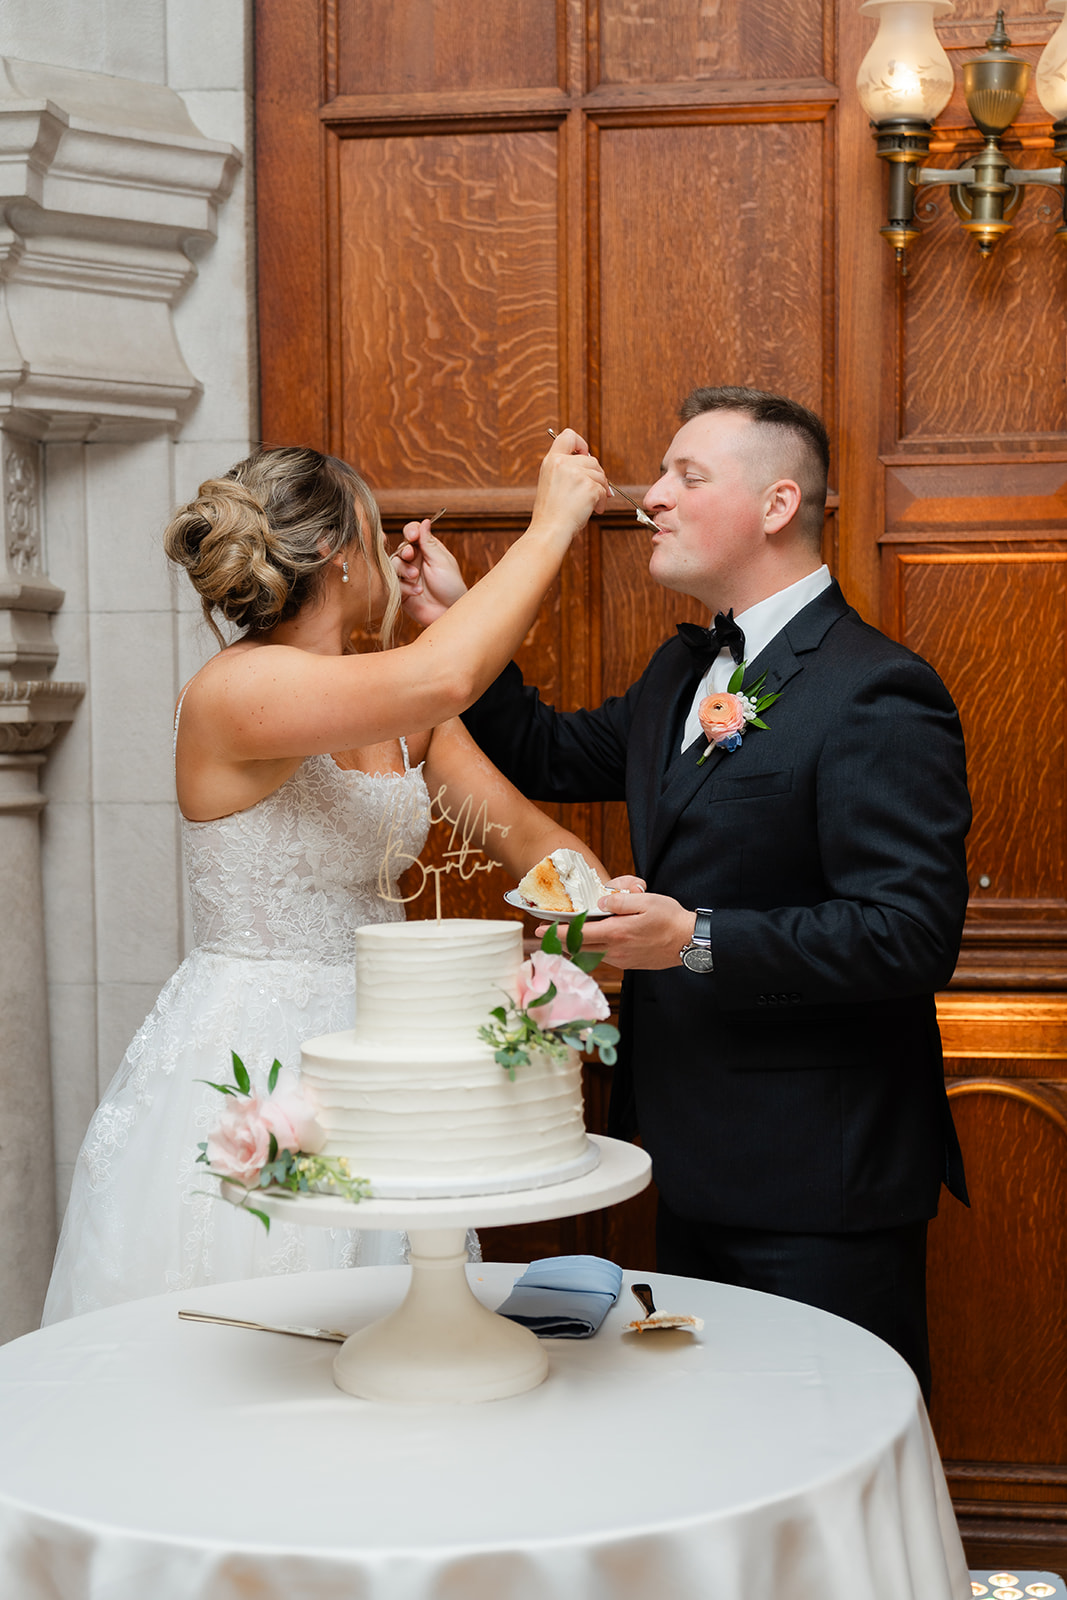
{"x":344,"y":572}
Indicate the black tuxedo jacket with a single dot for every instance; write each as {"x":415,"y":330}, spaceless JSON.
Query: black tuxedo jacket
{"x":799,"y":1086}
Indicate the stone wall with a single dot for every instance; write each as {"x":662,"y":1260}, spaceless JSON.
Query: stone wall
{"x":126,"y":376}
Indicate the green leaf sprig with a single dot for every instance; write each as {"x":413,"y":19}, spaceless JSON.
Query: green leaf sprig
{"x":759,"y":700}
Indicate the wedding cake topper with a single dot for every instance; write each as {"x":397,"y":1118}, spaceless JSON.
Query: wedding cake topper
{"x":465,"y":855}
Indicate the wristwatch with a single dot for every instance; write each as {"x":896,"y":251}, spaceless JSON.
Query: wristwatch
{"x":697,"y":954}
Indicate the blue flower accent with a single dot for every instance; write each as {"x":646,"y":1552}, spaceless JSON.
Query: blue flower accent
{"x":732,"y":742}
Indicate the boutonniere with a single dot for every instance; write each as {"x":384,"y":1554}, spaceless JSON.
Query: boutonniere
{"x":725,"y":717}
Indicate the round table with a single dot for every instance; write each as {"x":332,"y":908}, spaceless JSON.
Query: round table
{"x":781,"y":1454}
{"x":440,"y":1343}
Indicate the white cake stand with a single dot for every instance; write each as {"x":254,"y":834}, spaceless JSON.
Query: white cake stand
{"x":442,"y":1344}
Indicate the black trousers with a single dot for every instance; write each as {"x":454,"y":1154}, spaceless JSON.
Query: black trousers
{"x":875,"y":1279}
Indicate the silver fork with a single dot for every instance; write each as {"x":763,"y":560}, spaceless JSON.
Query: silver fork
{"x":641,"y":513}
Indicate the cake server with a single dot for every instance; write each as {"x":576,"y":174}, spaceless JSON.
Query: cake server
{"x":329,"y":1334}
{"x":639,"y":510}
{"x":653,"y":1319}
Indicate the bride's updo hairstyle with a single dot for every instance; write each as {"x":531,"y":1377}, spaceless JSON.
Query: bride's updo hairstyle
{"x":256,"y":543}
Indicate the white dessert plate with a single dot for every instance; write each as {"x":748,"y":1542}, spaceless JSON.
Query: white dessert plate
{"x":520,"y":902}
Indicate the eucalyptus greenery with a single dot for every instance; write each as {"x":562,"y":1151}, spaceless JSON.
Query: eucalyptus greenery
{"x":754,"y":693}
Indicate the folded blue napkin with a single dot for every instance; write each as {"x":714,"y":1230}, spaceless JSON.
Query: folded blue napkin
{"x":564,"y":1297}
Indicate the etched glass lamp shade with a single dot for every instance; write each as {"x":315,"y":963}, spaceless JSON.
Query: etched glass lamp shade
{"x":1051,"y":77}
{"x":905,"y":75}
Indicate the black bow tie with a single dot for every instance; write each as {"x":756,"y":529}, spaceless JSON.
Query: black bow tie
{"x":725,"y":635}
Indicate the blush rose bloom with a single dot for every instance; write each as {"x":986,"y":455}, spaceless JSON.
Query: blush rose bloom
{"x":720,"y":716}
{"x":239,"y":1146}
{"x":289,"y":1113}
{"x":577,"y":997}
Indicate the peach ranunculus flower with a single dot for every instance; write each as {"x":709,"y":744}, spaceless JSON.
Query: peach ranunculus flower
{"x":239,"y":1145}
{"x":578,"y":997}
{"x":289,"y":1113}
{"x":722,"y":715}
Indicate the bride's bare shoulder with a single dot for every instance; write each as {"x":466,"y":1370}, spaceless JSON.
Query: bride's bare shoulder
{"x":243,"y":660}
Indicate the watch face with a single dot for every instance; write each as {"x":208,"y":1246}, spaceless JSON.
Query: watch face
{"x":698,"y":959}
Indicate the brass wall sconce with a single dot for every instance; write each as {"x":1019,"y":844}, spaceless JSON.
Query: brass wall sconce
{"x":905,"y":81}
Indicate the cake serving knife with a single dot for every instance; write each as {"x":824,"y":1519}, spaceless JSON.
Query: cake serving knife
{"x":330,"y":1335}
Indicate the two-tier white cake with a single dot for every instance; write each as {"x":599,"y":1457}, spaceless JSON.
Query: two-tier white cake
{"x":415,"y":1099}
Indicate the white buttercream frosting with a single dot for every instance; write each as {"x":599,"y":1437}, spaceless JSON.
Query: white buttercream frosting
{"x":579,"y":879}
{"x":413,"y":1098}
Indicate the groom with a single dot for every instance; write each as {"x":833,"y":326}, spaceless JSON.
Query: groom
{"x":806,"y":888}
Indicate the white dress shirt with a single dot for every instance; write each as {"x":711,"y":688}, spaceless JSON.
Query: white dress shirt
{"x":760,"y":624}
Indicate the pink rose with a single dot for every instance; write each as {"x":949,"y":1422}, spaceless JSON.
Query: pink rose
{"x":239,"y":1146}
{"x":720,"y":716}
{"x":289,"y":1113}
{"x":577,"y":997}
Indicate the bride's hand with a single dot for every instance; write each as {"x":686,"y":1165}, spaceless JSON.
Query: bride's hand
{"x":430,"y":579}
{"x":570,"y":485}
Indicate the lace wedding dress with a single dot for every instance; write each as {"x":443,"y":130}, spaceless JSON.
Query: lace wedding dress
{"x":278,"y":892}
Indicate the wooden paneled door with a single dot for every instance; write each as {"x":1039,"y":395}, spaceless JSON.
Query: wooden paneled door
{"x":477,"y":222}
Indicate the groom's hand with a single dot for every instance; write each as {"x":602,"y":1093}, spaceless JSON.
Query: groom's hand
{"x":644,"y":931}
{"x":430,"y":579}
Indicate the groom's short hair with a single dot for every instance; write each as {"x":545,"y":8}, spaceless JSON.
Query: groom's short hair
{"x":794,"y":442}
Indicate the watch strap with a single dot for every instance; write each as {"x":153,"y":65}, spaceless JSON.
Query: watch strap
{"x":697,"y":953}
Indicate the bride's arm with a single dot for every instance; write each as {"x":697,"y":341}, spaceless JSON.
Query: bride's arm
{"x":278,"y":702}
{"x":457,"y":771}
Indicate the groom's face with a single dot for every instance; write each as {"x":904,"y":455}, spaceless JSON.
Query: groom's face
{"x":709,"y":503}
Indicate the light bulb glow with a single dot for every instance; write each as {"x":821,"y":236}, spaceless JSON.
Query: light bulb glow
{"x":906,"y":72}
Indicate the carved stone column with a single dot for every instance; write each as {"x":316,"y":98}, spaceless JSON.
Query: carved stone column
{"x":31,"y":711}
{"x":105,"y":184}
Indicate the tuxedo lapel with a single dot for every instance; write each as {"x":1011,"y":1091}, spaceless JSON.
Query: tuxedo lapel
{"x":781,"y":661}
{"x":674,"y":692}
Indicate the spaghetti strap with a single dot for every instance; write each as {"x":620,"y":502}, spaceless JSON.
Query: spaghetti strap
{"x":403,"y":751}
{"x":177,"y":719}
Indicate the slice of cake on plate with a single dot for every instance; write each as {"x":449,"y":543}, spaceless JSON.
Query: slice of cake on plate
{"x":562,"y":882}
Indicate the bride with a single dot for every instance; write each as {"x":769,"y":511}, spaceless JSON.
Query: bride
{"x":295,"y":760}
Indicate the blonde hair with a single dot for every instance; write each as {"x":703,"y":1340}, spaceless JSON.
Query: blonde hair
{"x":257,"y":541}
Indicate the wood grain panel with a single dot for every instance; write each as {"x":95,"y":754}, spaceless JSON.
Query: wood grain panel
{"x":1011,"y":955}
{"x":998,"y":1276}
{"x":710,"y":271}
{"x":865,"y":302}
{"x":999,"y":493}
{"x":449,"y":316}
{"x":995,"y":627}
{"x":1014,"y":1028}
{"x":958,"y":385}
{"x":423,"y":45}
{"x":664,"y":41}
{"x":291,"y":224}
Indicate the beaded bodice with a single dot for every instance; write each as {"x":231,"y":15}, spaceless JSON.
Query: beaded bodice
{"x":295,"y":875}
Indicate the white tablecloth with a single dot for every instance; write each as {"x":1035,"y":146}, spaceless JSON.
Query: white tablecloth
{"x":782,"y":1454}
